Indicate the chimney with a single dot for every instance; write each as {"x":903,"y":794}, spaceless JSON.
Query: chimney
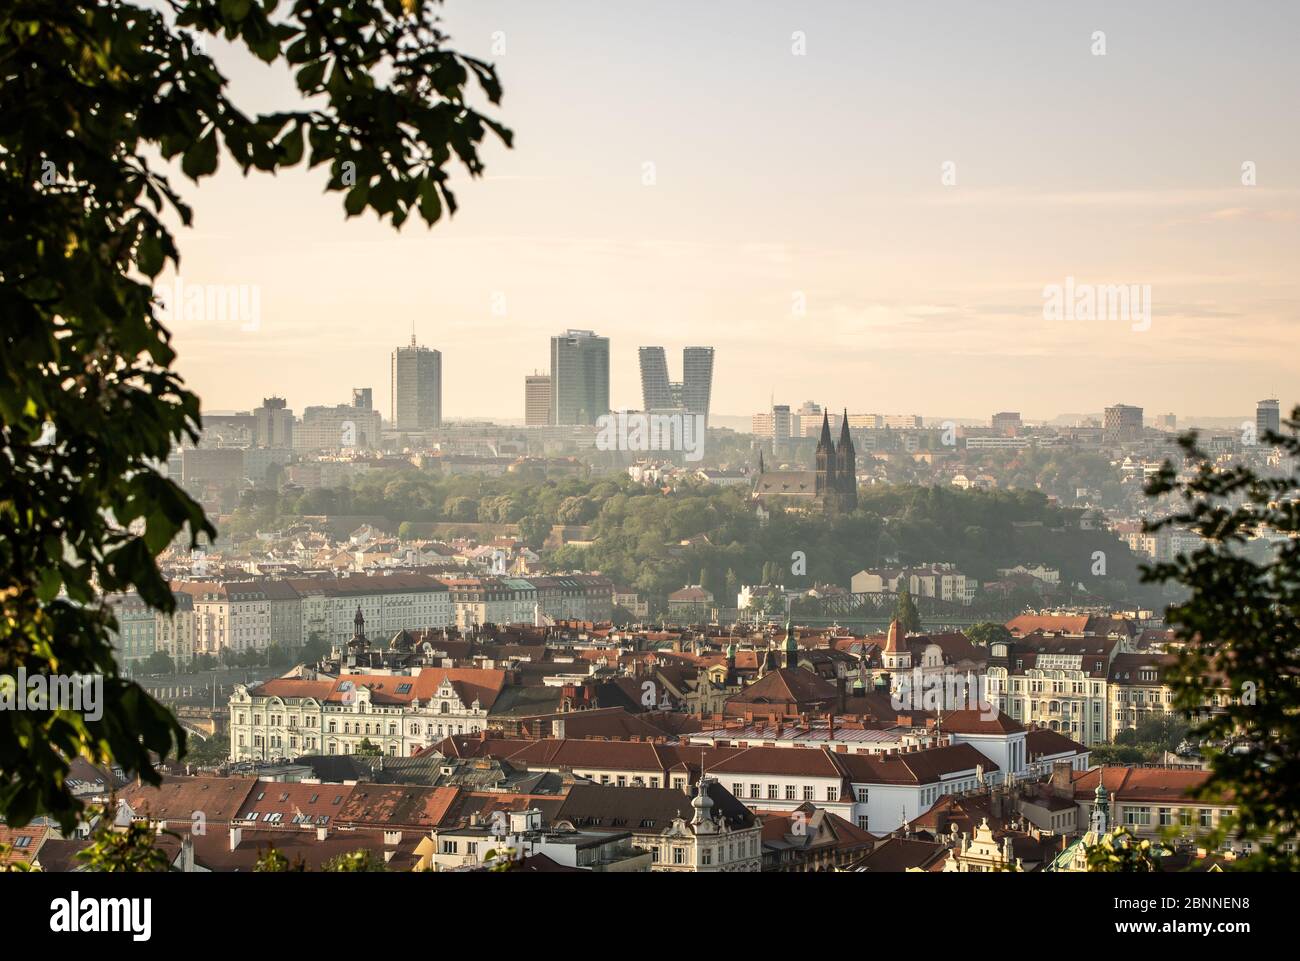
{"x":322,"y":832}
{"x":235,"y":834}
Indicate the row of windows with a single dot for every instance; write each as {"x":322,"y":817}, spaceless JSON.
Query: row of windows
{"x":1140,"y":816}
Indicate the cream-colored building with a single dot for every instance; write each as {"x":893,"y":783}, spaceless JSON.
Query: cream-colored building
{"x":396,"y":714}
{"x":234,"y":615}
{"x":1057,"y":682}
{"x":175,"y":631}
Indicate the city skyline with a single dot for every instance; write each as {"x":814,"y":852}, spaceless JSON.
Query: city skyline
{"x":915,"y":293}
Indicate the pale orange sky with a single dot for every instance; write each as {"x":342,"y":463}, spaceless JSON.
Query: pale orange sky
{"x":818,"y":175}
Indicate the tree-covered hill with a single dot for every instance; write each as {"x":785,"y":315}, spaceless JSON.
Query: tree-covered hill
{"x":638,"y":531}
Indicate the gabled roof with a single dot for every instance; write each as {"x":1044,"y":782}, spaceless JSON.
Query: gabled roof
{"x":177,"y":798}
{"x":396,"y":806}
{"x":895,"y":855}
{"x":786,"y":685}
{"x":974,"y":722}
{"x":286,"y":804}
{"x":1141,"y":784}
{"x":596,"y":807}
{"x":1041,"y":741}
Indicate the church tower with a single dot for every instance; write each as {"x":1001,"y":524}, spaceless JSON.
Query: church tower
{"x":790,"y":649}
{"x":826,"y":482}
{"x":846,"y":468}
{"x":895,"y":655}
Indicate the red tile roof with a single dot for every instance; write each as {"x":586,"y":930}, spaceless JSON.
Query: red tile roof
{"x":218,"y":799}
{"x":1141,"y":784}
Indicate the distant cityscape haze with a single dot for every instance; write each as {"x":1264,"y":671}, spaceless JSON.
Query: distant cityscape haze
{"x":786,"y":182}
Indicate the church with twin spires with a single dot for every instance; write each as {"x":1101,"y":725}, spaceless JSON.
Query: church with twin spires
{"x":832,"y":487}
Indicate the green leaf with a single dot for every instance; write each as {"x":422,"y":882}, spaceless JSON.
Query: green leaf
{"x":309,"y":77}
{"x":201,"y":159}
{"x":430,"y":203}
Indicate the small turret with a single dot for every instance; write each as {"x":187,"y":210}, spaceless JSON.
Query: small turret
{"x":702,"y":806}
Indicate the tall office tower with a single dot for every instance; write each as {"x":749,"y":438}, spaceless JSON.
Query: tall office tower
{"x":273,"y":424}
{"x":1006,"y":423}
{"x":1268,"y":417}
{"x":417,"y":388}
{"x":363,"y":398}
{"x":1167,"y":422}
{"x":656,"y":391}
{"x":537,"y":400}
{"x":697,"y":380}
{"x":579,"y":377}
{"x":690,"y":394}
{"x":1122,"y":422}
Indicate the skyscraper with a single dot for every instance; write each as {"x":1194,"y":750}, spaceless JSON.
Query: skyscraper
{"x":417,"y":388}
{"x":363,"y":398}
{"x":579,"y":377}
{"x":697,"y":380}
{"x":1268,"y":417}
{"x":537,"y":400}
{"x":656,"y":392}
{"x":691,"y":394}
{"x":273,"y":424}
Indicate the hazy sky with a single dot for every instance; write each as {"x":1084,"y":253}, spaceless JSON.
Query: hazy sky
{"x":784,"y":179}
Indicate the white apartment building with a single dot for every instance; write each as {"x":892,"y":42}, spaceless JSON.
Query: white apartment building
{"x":396,"y":713}
{"x":940,"y":581}
{"x":1057,"y":682}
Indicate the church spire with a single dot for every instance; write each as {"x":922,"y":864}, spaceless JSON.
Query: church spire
{"x":826,"y":479}
{"x":826,"y":432}
{"x":846,"y":468}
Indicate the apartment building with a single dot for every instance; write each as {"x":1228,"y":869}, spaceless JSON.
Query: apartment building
{"x":136,"y":636}
{"x":396,"y":714}
{"x":1056,"y":681}
{"x":939,"y":581}
{"x":389,"y":603}
{"x":1137,"y":689}
{"x":874,"y":792}
{"x":234,"y":615}
{"x":707,"y":831}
